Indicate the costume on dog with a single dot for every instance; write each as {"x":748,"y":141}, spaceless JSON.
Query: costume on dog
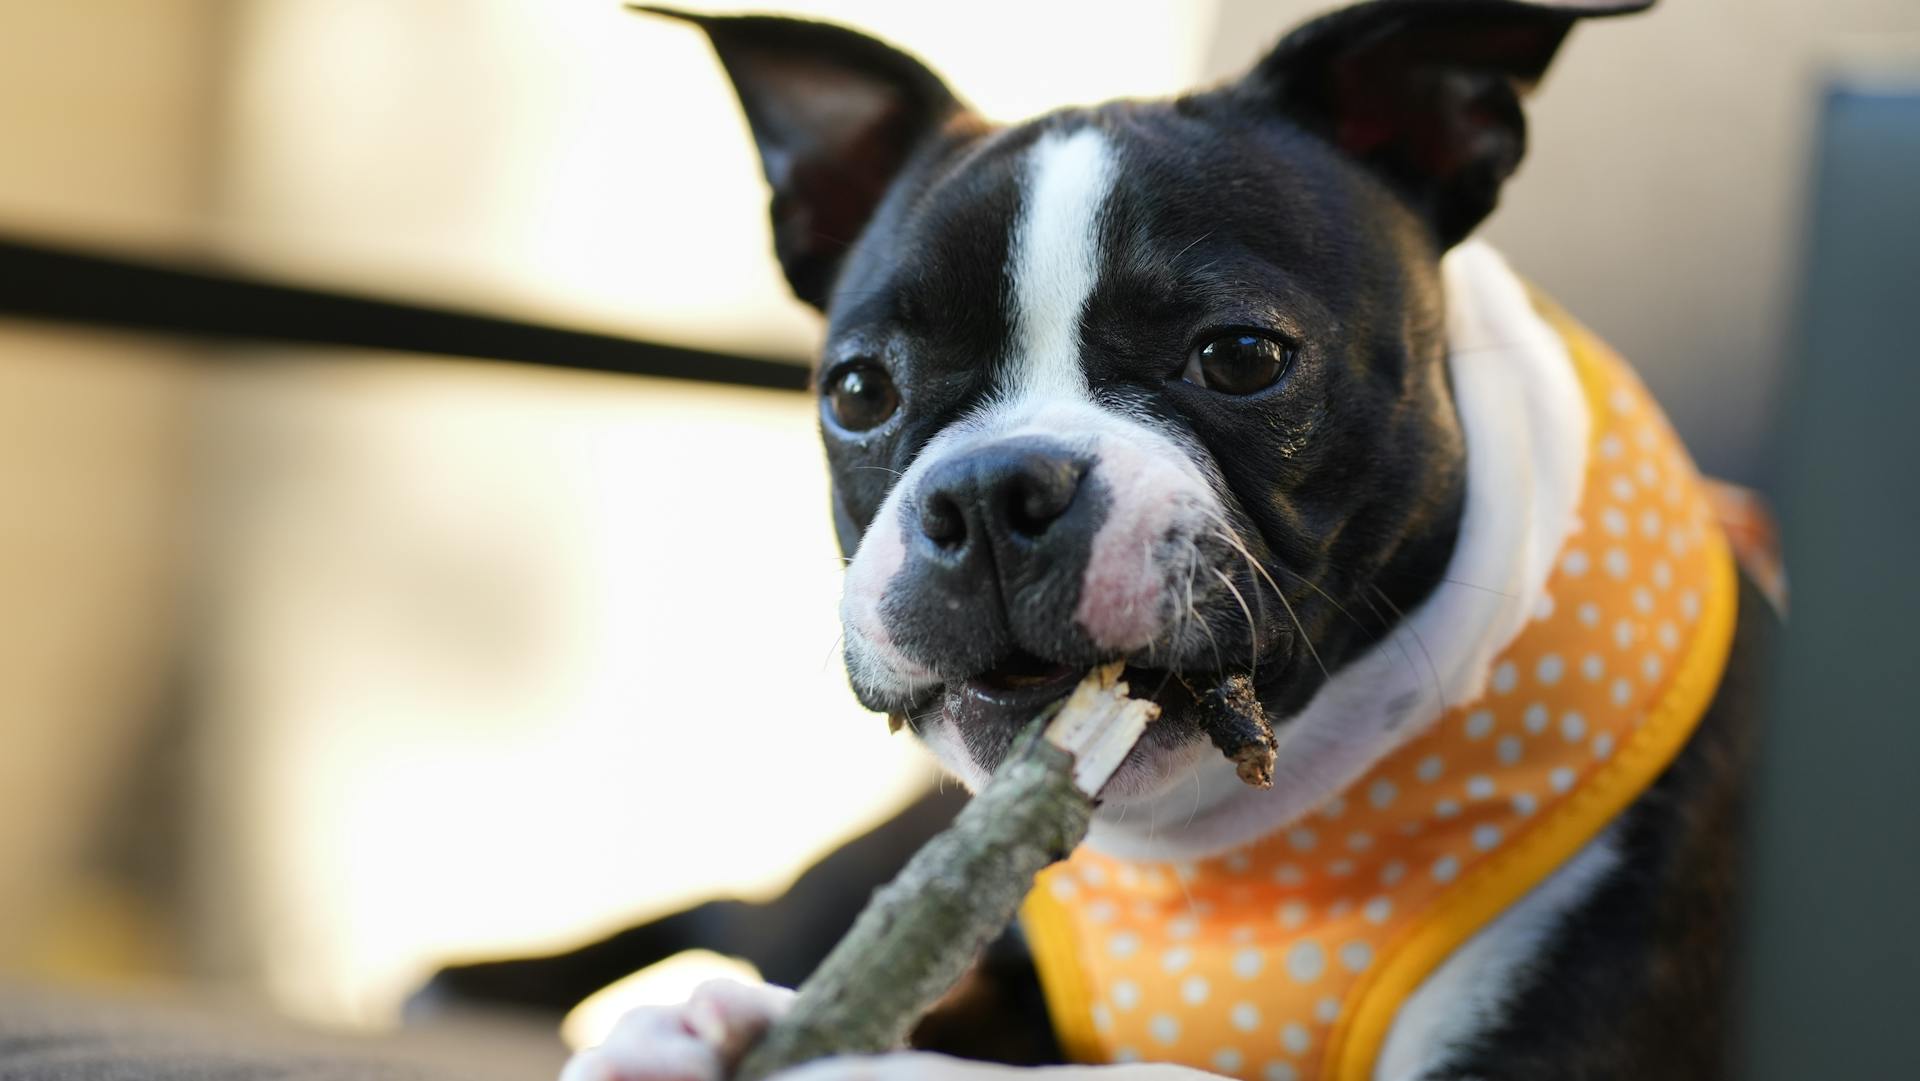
{"x":1288,"y":959}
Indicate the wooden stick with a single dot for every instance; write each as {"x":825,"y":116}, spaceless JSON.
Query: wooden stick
{"x":922,"y":931}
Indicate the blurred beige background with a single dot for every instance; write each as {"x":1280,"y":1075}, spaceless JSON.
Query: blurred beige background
{"x":319,"y":666}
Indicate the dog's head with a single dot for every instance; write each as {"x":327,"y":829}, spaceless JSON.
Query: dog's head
{"x":1161,"y":381}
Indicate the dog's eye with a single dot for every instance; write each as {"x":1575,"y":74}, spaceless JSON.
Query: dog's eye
{"x":1238,"y":362}
{"x":862,"y":396}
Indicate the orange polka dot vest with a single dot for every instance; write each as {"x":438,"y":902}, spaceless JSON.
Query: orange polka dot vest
{"x":1288,"y":959}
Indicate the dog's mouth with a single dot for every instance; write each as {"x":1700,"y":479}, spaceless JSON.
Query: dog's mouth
{"x":990,"y":708}
{"x":1021,"y":675}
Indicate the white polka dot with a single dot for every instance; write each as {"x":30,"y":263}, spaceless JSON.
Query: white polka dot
{"x":1102,"y":911}
{"x":1063,"y":887}
{"x":1524,"y":803}
{"x":1668,"y":636}
{"x":1589,"y":614}
{"x":1445,"y":868}
{"x":1649,"y":475}
{"x":1126,"y":994}
{"x":1377,"y":910}
{"x":1622,"y":692}
{"x":1327,"y":1010}
{"x":1479,"y":723}
{"x":1340,"y":868}
{"x":1164,"y":1027}
{"x":1355,"y":956}
{"x":1642,"y":599}
{"x":1182,"y":927}
{"x":1543,"y":608}
{"x":1650,"y":524}
{"x":1237,"y":862}
{"x":1486,"y":837}
{"x":1622,"y":489}
{"x":1335,"y":807}
{"x":1295,"y":1038}
{"x":1244,"y":1016}
{"x":1677,"y":541}
{"x":1306,"y":961}
{"x":1093,"y":875}
{"x":1292,"y":914}
{"x":1561,"y":779}
{"x":1573,"y":726}
{"x":1689,"y":606}
{"x":1339,"y":909}
{"x":1446,"y":808}
{"x":1123,"y":945}
{"x":1288,"y":874}
{"x":1550,"y":669}
{"x":1592,"y":667}
{"x":1535,"y":718}
{"x":1226,"y":1060}
{"x":1430,"y":768}
{"x":1194,"y":990}
{"x":1509,"y":749}
{"x":1359,"y":840}
{"x":1617,"y":563}
{"x":1662,"y":574}
{"x":1248,"y":962}
{"x":1176,"y":959}
{"x":1185,"y":872}
{"x":1623,"y":633}
{"x":1102,"y":1017}
{"x":1392,"y":872}
{"x":1602,"y":744}
{"x":1381,"y":793}
{"x":1124,"y":1054}
{"x":1610,"y":446}
{"x":1302,"y":839}
{"x":1505,"y":677}
{"x":1650,"y":667}
{"x":1280,"y":1071}
{"x":1480,"y":786}
{"x":1614,"y":521}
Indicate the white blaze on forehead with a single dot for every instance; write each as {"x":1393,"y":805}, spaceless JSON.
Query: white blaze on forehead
{"x":1056,"y":259}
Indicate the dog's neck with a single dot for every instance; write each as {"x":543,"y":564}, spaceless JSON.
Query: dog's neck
{"x":1526,"y":426}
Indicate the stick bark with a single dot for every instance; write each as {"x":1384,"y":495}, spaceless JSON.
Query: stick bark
{"x":922,"y":930}
{"x":919,"y":934}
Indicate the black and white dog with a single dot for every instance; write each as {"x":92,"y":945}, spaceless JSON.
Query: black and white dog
{"x":1096,"y":384}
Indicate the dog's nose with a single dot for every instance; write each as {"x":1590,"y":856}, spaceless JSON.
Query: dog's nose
{"x":1000,"y":494}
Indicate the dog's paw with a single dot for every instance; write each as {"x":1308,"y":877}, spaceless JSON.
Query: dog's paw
{"x":698,"y":1040}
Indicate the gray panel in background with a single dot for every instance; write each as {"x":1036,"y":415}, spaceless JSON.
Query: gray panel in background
{"x":1833,"y":965}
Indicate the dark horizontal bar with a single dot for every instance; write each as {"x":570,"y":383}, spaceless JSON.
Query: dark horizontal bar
{"x":53,"y":283}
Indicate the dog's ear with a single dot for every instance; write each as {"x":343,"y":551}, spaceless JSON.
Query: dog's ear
{"x":836,"y":114}
{"x":1426,"y":93}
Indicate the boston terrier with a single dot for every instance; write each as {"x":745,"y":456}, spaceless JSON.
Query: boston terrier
{"x":1453,"y":660}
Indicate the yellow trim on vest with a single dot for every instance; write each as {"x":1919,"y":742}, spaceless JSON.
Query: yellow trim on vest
{"x":1356,"y":1041}
{"x":1050,"y":940}
{"x":1357,"y":1038}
